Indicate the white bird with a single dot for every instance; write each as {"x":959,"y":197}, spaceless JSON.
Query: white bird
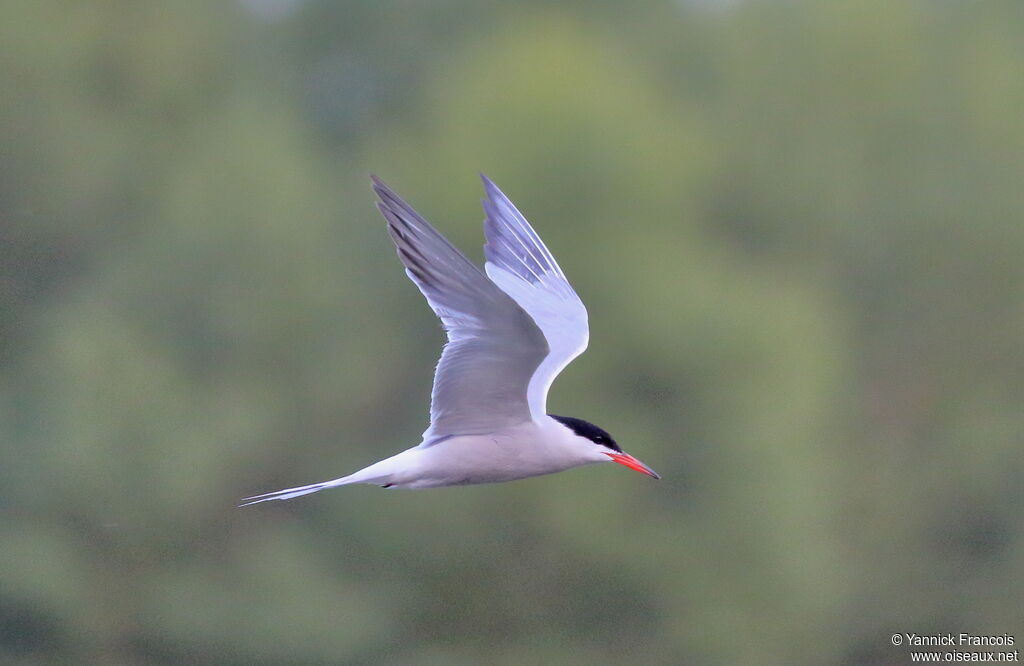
{"x":510,"y":331}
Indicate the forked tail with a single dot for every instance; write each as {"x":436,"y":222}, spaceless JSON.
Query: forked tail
{"x":380,"y":473}
{"x":289,"y":493}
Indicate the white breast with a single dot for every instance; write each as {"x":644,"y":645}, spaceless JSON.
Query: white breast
{"x":528,"y":449}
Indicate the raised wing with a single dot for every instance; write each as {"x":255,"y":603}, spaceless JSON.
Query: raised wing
{"x":519,"y":263}
{"x":481,"y":381}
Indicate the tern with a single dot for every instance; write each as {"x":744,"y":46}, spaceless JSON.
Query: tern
{"x":511,"y":329}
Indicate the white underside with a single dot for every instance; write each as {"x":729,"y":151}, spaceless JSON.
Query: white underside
{"x":529,"y":449}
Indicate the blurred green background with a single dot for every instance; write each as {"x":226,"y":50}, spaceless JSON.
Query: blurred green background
{"x":798,"y":230}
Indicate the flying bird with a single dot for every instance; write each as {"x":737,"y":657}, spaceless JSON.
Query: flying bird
{"x":511,"y":329}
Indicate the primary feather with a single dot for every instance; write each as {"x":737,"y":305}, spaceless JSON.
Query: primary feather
{"x":494,"y":346}
{"x":523,"y":267}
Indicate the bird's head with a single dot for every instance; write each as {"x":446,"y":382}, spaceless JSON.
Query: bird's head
{"x":600,"y":446}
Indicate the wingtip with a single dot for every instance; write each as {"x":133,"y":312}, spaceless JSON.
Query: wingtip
{"x":387,"y":199}
{"x":489,"y":185}
{"x":382,"y":189}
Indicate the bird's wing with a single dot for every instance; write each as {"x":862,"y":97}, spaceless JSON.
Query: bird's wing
{"x":481,"y":381}
{"x":519,"y":263}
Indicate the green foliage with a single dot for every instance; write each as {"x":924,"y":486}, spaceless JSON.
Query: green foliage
{"x":795,"y":226}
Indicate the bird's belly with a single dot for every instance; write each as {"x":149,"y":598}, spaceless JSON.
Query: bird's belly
{"x":466,"y":460}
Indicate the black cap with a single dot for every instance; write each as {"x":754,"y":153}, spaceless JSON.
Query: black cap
{"x":588,"y":430}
